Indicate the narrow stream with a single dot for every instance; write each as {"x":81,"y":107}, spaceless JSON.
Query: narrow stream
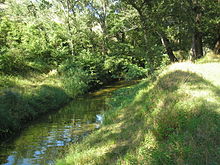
{"x":45,"y":139}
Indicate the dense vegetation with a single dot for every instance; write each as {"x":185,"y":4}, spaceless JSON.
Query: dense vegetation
{"x":52,"y":50}
{"x":174,"y":119}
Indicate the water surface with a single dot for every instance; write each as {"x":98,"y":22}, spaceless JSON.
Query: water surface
{"x":45,"y":139}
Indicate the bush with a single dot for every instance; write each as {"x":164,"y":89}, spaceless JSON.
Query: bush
{"x":89,"y":71}
{"x":134,"y":72}
{"x":115,"y":66}
{"x":75,"y":81}
{"x":83,"y":73}
{"x":93,"y":64}
{"x":13,"y":61}
{"x":123,"y":68}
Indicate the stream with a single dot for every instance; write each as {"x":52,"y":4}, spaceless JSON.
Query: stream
{"x":46,"y":139}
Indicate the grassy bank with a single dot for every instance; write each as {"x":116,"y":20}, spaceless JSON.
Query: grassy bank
{"x":24,"y":98}
{"x":25,"y":94}
{"x":173,"y":120}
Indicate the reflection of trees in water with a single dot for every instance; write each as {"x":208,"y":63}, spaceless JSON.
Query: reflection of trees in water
{"x":43,"y":141}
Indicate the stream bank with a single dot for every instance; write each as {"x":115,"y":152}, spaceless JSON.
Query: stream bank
{"x":46,"y":138}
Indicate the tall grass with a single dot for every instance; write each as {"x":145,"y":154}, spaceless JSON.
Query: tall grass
{"x":22,"y":100}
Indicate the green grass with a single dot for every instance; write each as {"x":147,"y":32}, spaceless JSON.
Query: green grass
{"x":24,"y":98}
{"x":173,"y":120}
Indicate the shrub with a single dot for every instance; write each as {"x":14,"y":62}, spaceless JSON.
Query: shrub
{"x":135,"y":72}
{"x":93,"y":64}
{"x":75,"y":81}
{"x":13,"y":61}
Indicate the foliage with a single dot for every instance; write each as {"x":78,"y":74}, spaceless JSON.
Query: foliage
{"x":134,"y":72}
{"x":13,"y":62}
{"x":179,"y":22}
{"x":88,"y":71}
{"x":75,"y":81}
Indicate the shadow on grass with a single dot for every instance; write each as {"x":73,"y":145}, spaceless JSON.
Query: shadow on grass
{"x":167,"y":125}
{"x":6,"y":82}
{"x":185,"y":120}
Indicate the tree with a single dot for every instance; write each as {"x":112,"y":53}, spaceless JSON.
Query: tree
{"x":151,"y":23}
{"x":175,"y":21}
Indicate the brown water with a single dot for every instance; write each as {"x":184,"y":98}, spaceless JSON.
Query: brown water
{"x":45,"y":139}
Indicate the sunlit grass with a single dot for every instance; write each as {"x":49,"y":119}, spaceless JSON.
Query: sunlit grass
{"x":32,"y":80}
{"x":210,"y":57}
{"x":174,"y":120}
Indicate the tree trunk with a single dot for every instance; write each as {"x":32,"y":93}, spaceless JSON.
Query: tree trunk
{"x":166,"y":44}
{"x":104,"y":27}
{"x":70,"y":40}
{"x":217,"y":46}
{"x":197,"y":46}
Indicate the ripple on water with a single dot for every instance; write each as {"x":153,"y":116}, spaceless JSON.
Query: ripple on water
{"x":44,"y":140}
